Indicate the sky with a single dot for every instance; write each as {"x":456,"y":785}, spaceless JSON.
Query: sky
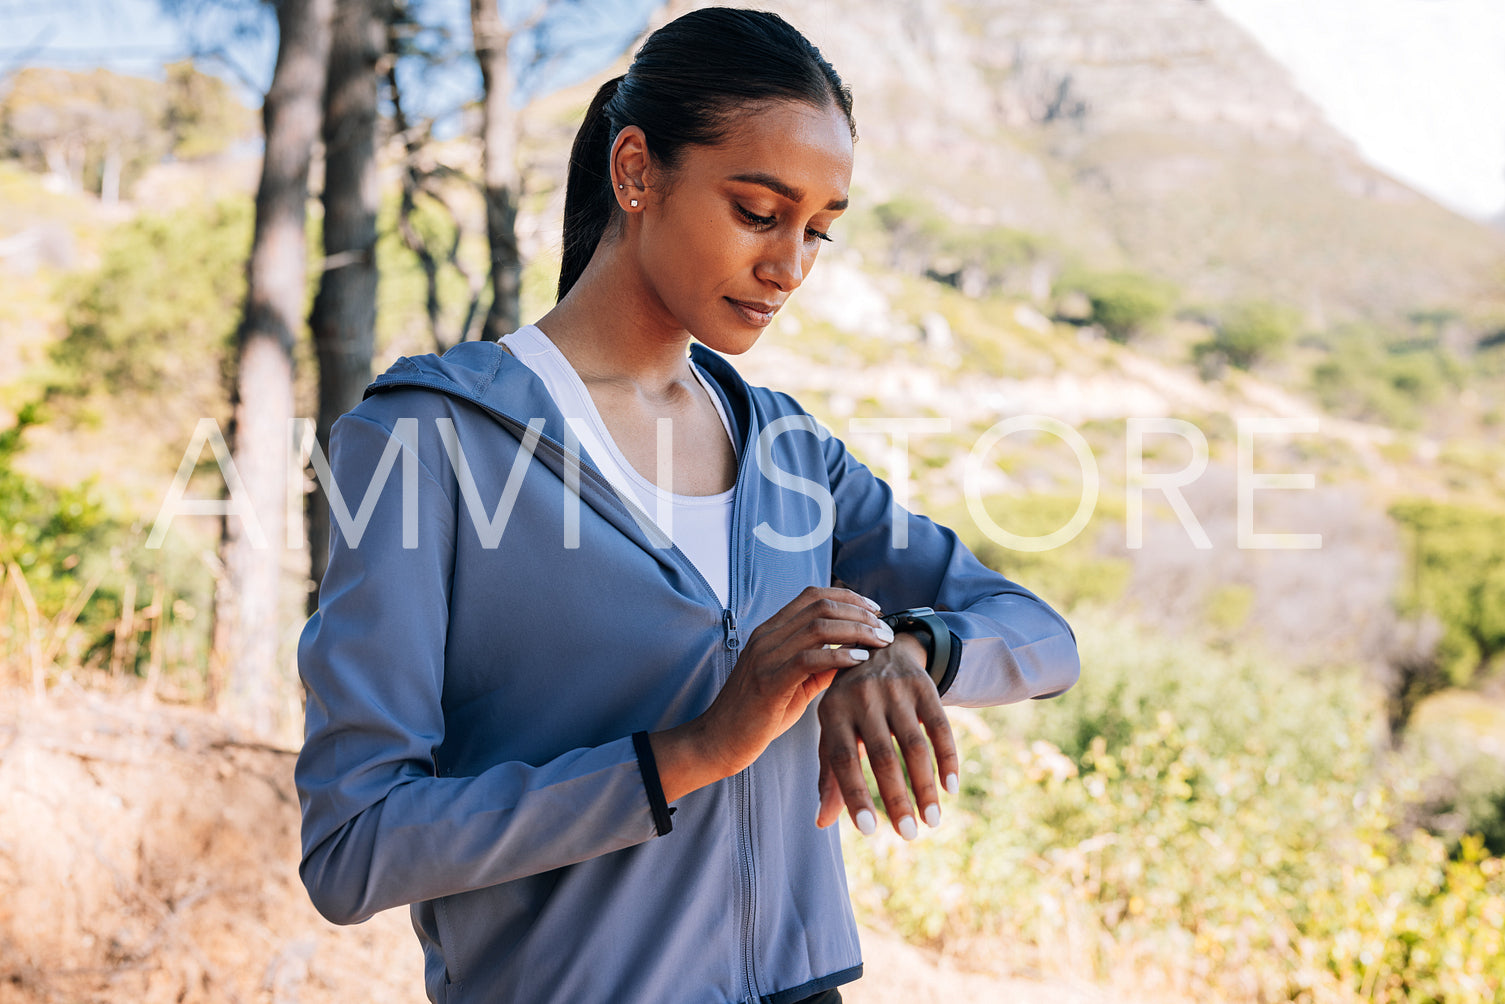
{"x":134,"y":36}
{"x":1418,"y":85}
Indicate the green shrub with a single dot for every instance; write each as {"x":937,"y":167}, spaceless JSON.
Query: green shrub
{"x":1203,"y":818}
{"x":1251,"y":332}
{"x":924,"y":241}
{"x":1458,"y":576}
{"x":44,"y":531}
{"x":1126,"y":304}
{"x":1379,"y":376}
{"x":158,"y":315}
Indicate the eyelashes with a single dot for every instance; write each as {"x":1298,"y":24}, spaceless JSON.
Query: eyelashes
{"x":761,"y":222}
{"x":764,"y":222}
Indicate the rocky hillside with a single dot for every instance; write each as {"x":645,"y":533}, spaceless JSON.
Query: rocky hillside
{"x":1155,"y":135}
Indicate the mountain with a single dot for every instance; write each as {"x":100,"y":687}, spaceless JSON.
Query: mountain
{"x":1155,"y":135}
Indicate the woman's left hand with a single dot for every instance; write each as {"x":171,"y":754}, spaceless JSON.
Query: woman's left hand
{"x":868,"y":708}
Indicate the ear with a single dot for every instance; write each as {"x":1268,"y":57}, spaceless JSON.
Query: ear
{"x":630,"y":167}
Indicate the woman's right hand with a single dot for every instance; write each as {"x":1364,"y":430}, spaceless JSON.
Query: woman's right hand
{"x":785,"y":663}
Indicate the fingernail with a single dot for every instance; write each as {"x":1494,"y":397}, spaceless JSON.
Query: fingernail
{"x":866,"y":824}
{"x":932,"y":815}
{"x":884,"y":632}
{"x":907,"y":828}
{"x":860,"y":654}
{"x":871,"y":605}
{"x":952,"y":784}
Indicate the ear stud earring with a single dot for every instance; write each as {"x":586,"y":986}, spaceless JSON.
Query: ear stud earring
{"x":634,"y":203}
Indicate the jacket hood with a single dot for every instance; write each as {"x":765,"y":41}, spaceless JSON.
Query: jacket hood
{"x":488,"y":375}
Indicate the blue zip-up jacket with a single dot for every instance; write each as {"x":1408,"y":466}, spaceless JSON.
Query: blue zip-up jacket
{"x":496,"y":629}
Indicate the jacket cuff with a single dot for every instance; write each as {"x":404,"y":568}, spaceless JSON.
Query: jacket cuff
{"x":952,"y":665}
{"x":648,"y":767}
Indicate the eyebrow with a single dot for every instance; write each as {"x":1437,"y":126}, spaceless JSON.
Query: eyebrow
{"x":783,"y":188}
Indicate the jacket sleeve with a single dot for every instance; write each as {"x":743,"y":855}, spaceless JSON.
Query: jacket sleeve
{"x":379,"y":828}
{"x":1014,"y":646}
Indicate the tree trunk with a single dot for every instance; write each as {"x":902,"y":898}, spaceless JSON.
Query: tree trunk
{"x":248,"y":679}
{"x":499,"y":167}
{"x":344,"y":313}
{"x":109,"y":176}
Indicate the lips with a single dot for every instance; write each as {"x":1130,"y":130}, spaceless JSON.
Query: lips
{"x":754,"y":311}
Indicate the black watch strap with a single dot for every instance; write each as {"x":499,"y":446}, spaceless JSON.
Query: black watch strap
{"x":944,"y":649}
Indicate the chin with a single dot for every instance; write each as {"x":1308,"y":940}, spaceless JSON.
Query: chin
{"x":729,"y":343}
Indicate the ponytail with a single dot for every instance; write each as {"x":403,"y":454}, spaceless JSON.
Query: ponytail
{"x":588,"y":202}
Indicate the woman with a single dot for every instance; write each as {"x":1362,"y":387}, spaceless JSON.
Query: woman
{"x":560,"y":681}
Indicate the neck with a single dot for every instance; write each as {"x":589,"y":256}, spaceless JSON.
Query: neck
{"x":612,"y":328}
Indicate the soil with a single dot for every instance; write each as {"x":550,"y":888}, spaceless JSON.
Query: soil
{"x":148,"y":855}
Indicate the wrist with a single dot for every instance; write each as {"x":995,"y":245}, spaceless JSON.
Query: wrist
{"x":942,"y":648}
{"x":912,"y":648}
{"x":683,"y":763}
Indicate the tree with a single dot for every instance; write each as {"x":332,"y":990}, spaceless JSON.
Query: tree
{"x":203,"y":115}
{"x":557,"y":42}
{"x":499,"y":167}
{"x":92,"y":131}
{"x":525,"y":49}
{"x":417,"y":41}
{"x":343,"y":321}
{"x":338,"y":43}
{"x":244,"y":669}
{"x":97,"y":131}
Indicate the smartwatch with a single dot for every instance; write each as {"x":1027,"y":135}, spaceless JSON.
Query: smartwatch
{"x":943,"y":649}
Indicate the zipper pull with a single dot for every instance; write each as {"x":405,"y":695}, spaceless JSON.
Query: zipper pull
{"x":729,"y":623}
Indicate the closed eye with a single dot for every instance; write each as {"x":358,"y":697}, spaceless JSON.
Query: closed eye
{"x":761,"y":222}
{"x":764,"y":222}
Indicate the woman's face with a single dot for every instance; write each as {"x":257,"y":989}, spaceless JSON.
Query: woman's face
{"x":735,"y":229}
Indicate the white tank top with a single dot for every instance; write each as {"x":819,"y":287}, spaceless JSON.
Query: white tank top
{"x":699,"y":525}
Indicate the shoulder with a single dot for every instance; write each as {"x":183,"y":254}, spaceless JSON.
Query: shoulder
{"x":467,"y":370}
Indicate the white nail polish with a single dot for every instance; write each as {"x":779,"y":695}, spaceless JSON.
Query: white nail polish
{"x":860,"y":654}
{"x":866,"y":824}
{"x":907,"y":828}
{"x":952,"y":784}
{"x":932,"y":815}
{"x":884,"y":632}
{"x":871,"y":605}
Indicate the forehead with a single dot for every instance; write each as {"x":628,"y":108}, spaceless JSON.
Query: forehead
{"x":807,"y":147}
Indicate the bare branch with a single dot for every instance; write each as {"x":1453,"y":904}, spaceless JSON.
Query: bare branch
{"x":222,"y":57}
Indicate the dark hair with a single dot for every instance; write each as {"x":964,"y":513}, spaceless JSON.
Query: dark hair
{"x":684,"y":87}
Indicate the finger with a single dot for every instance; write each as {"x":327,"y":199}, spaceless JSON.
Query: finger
{"x":830,"y":797}
{"x":819,"y":681}
{"x":850,"y":596}
{"x":814,"y":646}
{"x":948,"y":760}
{"x":840,"y":757}
{"x":828,"y":631}
{"x":914,"y":742}
{"x":804,"y":675}
{"x":888,"y":770}
{"x":816,"y":603}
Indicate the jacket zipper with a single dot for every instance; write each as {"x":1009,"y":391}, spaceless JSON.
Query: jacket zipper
{"x":742,"y":781}
{"x":729,"y":625}
{"x":741,"y":785}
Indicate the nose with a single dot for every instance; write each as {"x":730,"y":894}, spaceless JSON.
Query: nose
{"x":783,"y":264}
